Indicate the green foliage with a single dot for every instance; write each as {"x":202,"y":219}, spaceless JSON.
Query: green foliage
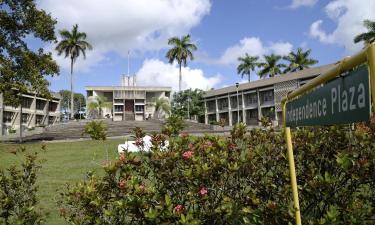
{"x":247,"y":65}
{"x":95,"y":108}
{"x":18,"y":189}
{"x":369,"y":36}
{"x":243,"y":179}
{"x":299,"y":60}
{"x":11,"y":130}
{"x":180,"y":103}
{"x":162,"y":105}
{"x":22,"y":68}
{"x":181,"y":51}
{"x":173,"y":125}
{"x":79,"y":100}
{"x":271,"y":67}
{"x":97,"y":130}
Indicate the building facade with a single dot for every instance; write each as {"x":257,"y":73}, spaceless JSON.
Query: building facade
{"x":36,"y":112}
{"x":249,"y":102}
{"x":128,"y":101}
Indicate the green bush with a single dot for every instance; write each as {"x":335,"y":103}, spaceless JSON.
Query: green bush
{"x":97,"y":130}
{"x":173,"y":125}
{"x":242,"y":179}
{"x":18,"y":193}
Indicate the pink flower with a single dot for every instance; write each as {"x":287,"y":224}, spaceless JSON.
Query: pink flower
{"x":122,"y":157}
{"x":122,"y":184}
{"x":207,"y":144}
{"x":139,"y":142}
{"x":178,"y":208}
{"x":203,"y":191}
{"x":232,"y":146}
{"x":188,"y":154}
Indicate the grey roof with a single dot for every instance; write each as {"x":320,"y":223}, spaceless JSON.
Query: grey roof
{"x":121,"y":88}
{"x":302,"y":74}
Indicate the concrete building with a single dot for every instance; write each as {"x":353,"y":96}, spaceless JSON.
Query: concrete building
{"x":129,"y":101}
{"x":36,"y":112}
{"x":256,"y":99}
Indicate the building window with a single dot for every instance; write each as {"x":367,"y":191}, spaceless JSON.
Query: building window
{"x":52,"y":106}
{"x":267,"y":96}
{"x":119,"y":108}
{"x":253,"y":114}
{"x":25,"y":117}
{"x":51,"y":119}
{"x":139,"y":108}
{"x":7,"y":117}
{"x":222,"y":104}
{"x":39,"y":119}
{"x":26,"y":102}
{"x":251,"y":99}
{"x":268,"y":112}
{"x":211,"y":107}
{"x":233,"y":101}
{"x":40,"y":104}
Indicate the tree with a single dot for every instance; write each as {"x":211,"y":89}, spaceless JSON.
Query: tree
{"x":72,"y":45}
{"x":369,"y":36}
{"x":79,"y":100}
{"x":180,"y":103}
{"x":247,"y":65}
{"x":22,"y":69}
{"x":271,"y":67}
{"x":299,"y":60}
{"x":180,"y":52}
{"x":98,"y":105}
{"x":162,"y":105}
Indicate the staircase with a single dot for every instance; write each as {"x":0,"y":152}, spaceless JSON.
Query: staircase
{"x":75,"y":130}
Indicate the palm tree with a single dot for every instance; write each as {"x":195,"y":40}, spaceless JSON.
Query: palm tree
{"x":271,"y":67}
{"x":247,"y":65}
{"x":367,"y":37}
{"x":162,"y":105}
{"x":72,"y":44}
{"x":299,"y":60}
{"x":99,"y":103}
{"x":180,"y":52}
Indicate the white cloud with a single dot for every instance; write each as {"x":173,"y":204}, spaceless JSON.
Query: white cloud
{"x":298,"y":3}
{"x":157,"y":73}
{"x":349,"y":16}
{"x":122,"y":25}
{"x":253,"y":46}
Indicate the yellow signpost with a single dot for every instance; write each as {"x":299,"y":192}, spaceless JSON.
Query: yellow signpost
{"x":346,"y":64}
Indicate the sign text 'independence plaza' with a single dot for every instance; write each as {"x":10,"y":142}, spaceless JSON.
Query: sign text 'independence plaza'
{"x":343,"y":100}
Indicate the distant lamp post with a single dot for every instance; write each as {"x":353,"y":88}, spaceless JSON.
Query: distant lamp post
{"x":238,"y":104}
{"x":188,"y":101}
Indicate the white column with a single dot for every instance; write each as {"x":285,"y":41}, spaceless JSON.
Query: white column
{"x":217,"y":110}
{"x":205,"y":112}
{"x":243,"y":109}
{"x":259,"y":109}
{"x":229,"y":111}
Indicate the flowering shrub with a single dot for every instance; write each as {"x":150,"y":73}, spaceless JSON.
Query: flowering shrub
{"x":242,"y":179}
{"x":97,"y":130}
{"x":18,"y":199}
{"x":173,"y":125}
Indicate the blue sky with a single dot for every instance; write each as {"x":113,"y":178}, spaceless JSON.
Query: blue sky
{"x":222,"y":30}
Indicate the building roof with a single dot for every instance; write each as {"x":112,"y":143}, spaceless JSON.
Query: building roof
{"x":302,"y":74}
{"x":128,"y":88}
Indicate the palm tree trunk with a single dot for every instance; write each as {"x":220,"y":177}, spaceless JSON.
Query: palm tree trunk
{"x":71,"y":90}
{"x":180,"y":79}
{"x":249,"y":77}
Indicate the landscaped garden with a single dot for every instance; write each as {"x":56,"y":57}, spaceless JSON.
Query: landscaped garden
{"x":239,"y":179}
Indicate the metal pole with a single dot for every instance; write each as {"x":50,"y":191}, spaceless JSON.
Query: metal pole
{"x":371,"y":64}
{"x":238,"y":108}
{"x":292,"y":168}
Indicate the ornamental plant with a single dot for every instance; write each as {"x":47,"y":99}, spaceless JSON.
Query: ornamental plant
{"x":241,"y":179}
{"x":18,"y":192}
{"x":97,"y":130}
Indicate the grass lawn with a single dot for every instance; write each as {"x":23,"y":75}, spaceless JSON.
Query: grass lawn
{"x":66,"y":162}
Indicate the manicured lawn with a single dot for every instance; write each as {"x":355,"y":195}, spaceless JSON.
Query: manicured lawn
{"x":66,"y":162}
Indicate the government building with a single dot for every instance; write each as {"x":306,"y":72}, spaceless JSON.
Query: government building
{"x":128,"y":101}
{"x":256,"y":99}
{"x":36,"y":112}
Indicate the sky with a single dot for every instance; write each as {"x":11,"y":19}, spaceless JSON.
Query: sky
{"x":222,"y":30}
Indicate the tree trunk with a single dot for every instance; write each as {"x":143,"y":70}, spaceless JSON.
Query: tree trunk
{"x":180,"y":79}
{"x":249,"y":77}
{"x":71,"y":90}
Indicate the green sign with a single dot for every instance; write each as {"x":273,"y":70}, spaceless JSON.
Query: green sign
{"x":343,"y":100}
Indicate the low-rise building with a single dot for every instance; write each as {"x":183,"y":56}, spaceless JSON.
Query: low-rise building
{"x":128,"y":101}
{"x":36,"y":112}
{"x":251,"y":101}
